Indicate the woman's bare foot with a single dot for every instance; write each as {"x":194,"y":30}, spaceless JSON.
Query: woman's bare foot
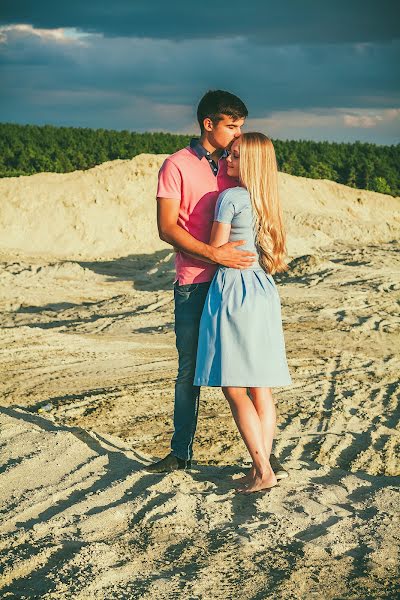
{"x":248,"y":477}
{"x":258,"y":483}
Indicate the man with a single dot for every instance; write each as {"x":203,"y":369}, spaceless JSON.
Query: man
{"x":189,"y":184}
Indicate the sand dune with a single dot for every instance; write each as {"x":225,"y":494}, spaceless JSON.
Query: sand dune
{"x":87,"y":372}
{"x":108,"y":211}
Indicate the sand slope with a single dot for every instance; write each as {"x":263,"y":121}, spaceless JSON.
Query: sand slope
{"x":87,"y":368}
{"x":108,"y":211}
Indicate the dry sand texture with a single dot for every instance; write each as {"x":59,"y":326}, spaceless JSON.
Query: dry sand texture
{"x":88,"y":365}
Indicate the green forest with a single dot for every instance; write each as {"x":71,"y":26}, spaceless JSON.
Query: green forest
{"x":28,"y":149}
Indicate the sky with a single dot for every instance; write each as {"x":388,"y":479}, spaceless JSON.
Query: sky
{"x":306,"y":69}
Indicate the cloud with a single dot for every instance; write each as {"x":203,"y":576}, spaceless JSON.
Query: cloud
{"x":270,"y":23}
{"x":371,"y":120}
{"x":336,"y":124}
{"x":64,"y":76}
{"x":270,"y":78}
{"x":27,"y":46}
{"x":11,"y":33}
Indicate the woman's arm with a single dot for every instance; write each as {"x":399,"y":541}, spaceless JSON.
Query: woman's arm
{"x":219,"y":234}
{"x":170,"y":232}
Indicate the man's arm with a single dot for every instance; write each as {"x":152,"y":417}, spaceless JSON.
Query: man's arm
{"x":170,"y":232}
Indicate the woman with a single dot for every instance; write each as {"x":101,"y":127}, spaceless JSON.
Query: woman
{"x":241,"y":345}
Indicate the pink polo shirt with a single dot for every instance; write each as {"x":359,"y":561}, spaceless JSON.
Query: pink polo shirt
{"x":189,"y":180}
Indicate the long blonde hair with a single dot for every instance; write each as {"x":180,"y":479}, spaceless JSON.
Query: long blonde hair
{"x":258,"y":172}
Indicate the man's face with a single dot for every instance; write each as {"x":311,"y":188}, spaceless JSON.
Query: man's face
{"x":225,"y":132}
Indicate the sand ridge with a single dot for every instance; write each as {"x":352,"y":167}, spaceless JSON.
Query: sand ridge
{"x":87,"y":374}
{"x":108,"y":211}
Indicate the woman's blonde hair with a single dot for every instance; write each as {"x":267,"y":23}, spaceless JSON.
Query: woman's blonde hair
{"x":258,"y":172}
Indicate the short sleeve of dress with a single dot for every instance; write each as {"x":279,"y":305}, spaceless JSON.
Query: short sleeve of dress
{"x":225,"y":207}
{"x":169,"y":181}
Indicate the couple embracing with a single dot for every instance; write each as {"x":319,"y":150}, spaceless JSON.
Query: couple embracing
{"x":218,"y":206}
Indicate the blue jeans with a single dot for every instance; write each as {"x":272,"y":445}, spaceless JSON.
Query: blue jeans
{"x":189,"y":301}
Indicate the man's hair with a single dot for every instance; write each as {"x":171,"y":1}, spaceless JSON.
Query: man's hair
{"x":216,"y":103}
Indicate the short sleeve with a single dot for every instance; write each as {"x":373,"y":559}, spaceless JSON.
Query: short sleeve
{"x":169,"y":181}
{"x":225,"y":208}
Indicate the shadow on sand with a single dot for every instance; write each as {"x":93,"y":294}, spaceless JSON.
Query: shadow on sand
{"x":245,"y":512}
{"x":148,"y":272}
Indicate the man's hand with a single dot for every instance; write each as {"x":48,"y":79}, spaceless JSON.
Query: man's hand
{"x":228,"y":256}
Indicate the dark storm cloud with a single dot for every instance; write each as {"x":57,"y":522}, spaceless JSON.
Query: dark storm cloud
{"x":146,"y":81}
{"x":285,"y":22}
{"x":269,"y":78}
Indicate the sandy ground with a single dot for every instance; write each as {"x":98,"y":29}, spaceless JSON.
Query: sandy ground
{"x":87,"y":374}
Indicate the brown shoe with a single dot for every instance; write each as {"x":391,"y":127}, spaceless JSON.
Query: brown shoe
{"x":168,"y":464}
{"x":277,"y":468}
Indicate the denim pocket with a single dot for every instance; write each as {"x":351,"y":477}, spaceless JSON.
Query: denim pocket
{"x":186,"y":289}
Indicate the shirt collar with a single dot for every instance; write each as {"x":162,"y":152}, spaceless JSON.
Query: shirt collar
{"x":201,"y":152}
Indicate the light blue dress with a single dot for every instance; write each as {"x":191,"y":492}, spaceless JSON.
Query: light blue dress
{"x":241,"y":342}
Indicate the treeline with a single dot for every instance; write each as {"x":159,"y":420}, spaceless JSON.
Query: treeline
{"x":28,"y":149}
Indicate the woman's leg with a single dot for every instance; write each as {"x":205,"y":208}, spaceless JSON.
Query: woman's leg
{"x":264,"y":404}
{"x":250,"y":428}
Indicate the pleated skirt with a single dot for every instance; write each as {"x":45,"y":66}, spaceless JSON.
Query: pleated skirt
{"x":241,"y":341}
